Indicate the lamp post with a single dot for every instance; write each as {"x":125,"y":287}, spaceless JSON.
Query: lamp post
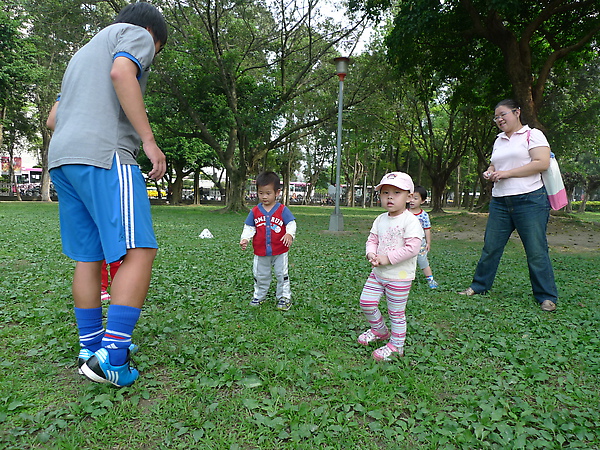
{"x":336,"y":220}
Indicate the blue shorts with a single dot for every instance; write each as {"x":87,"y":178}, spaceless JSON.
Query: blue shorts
{"x":103,"y":213}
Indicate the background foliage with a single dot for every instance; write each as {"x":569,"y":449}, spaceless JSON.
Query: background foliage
{"x":247,"y":86}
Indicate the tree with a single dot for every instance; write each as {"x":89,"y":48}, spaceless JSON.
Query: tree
{"x":573,"y":109}
{"x":17,"y":74}
{"x":57,"y":28}
{"x":529,"y":37}
{"x":241,"y":70}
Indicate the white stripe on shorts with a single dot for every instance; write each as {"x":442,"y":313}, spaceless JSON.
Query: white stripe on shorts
{"x":127,"y":210}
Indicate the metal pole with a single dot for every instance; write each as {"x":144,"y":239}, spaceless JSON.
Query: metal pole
{"x":336,"y":221}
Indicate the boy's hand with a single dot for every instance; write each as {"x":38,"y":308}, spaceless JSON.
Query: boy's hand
{"x":244,"y":244}
{"x":428,"y":247}
{"x":158,"y":160}
{"x":287,"y":240}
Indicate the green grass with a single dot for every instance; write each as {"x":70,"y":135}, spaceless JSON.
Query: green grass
{"x":593,"y":217}
{"x":488,"y":371}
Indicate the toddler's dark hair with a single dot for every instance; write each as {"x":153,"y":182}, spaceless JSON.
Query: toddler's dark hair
{"x":145,"y":15}
{"x":421,"y":191}
{"x":266,"y":178}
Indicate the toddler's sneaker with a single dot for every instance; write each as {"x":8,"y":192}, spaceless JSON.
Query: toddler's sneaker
{"x":432,"y":283}
{"x":387,"y":352}
{"x":104,"y":296}
{"x":284,"y":304}
{"x":99,"y":369}
{"x":257,"y":302}
{"x":370,"y":336}
{"x":85,"y":354}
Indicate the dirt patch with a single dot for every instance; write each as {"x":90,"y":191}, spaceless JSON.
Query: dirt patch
{"x":564,"y":233}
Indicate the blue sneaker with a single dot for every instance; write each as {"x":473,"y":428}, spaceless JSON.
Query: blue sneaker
{"x":85,"y":354}
{"x":432,"y":283}
{"x":99,"y":369}
{"x":257,"y":302}
{"x":284,"y":304}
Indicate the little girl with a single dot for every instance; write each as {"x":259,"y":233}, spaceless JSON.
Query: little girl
{"x":392,"y":248}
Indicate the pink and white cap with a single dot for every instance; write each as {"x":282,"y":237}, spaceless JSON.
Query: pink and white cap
{"x":400,"y":180}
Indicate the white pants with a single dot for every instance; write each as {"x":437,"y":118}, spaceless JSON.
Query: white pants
{"x":262,"y":276}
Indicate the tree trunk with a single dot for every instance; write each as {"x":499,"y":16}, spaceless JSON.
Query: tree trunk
{"x":456,"y":201}
{"x":583,"y":202}
{"x":373,"y":184}
{"x":176,"y":190}
{"x":438,"y":185}
{"x":45,"y":182}
{"x":286,"y":178}
{"x":197,"y":191}
{"x":176,"y":186}
{"x":235,"y":190}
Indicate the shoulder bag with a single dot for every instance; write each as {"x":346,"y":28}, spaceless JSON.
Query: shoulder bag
{"x":557,"y":194}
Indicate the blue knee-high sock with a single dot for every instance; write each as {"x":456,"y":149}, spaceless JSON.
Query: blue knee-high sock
{"x":120,"y":323}
{"x":91,"y":331}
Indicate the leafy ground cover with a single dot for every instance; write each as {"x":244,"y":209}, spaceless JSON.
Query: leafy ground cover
{"x":489,"y":371}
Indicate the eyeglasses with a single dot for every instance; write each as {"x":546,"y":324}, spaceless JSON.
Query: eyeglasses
{"x":501,"y":116}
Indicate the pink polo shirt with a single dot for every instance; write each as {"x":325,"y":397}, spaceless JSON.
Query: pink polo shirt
{"x":511,"y":152}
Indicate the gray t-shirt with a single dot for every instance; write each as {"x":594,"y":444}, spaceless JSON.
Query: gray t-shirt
{"x":90,"y":123}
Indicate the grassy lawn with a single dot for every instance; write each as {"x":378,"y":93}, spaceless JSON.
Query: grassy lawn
{"x":489,"y":371}
{"x":589,"y":217}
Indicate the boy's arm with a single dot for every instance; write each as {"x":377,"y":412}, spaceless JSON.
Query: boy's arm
{"x":247,"y":233}
{"x":428,"y":238}
{"x":51,"y":121}
{"x":290,"y":233}
{"x":290,"y":228}
{"x":124,"y":78}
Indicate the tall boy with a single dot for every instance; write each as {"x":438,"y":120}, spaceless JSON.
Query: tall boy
{"x":272,"y":228}
{"x":103,"y":205}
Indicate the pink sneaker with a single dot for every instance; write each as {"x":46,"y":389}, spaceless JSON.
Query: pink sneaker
{"x":386,"y":352}
{"x":370,"y":336}
{"x":104,"y":296}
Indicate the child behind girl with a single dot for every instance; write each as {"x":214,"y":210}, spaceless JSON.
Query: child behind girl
{"x":418,"y":198}
{"x":392,"y":248}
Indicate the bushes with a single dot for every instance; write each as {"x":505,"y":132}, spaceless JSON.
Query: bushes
{"x":589,"y":206}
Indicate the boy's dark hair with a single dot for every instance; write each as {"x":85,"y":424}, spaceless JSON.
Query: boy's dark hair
{"x":422,"y":192}
{"x":145,"y":15}
{"x":266,"y":178}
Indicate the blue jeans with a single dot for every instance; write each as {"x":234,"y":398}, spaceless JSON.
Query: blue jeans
{"x":528,"y":214}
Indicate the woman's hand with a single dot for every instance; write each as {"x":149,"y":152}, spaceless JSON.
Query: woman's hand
{"x":499,"y":175}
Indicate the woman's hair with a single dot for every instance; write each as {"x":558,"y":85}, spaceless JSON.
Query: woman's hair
{"x":145,"y":15}
{"x":509,"y":103}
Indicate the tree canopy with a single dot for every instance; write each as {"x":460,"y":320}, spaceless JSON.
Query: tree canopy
{"x":515,"y":43}
{"x":249,"y":85}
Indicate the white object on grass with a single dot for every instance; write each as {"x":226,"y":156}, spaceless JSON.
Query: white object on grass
{"x":206,"y":234}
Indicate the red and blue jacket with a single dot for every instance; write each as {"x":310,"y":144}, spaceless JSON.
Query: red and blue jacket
{"x":270,"y":228}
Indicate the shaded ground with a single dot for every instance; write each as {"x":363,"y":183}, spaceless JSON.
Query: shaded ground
{"x":564,"y":233}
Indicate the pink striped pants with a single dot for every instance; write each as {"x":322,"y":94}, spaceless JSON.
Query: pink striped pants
{"x":396,"y":293}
